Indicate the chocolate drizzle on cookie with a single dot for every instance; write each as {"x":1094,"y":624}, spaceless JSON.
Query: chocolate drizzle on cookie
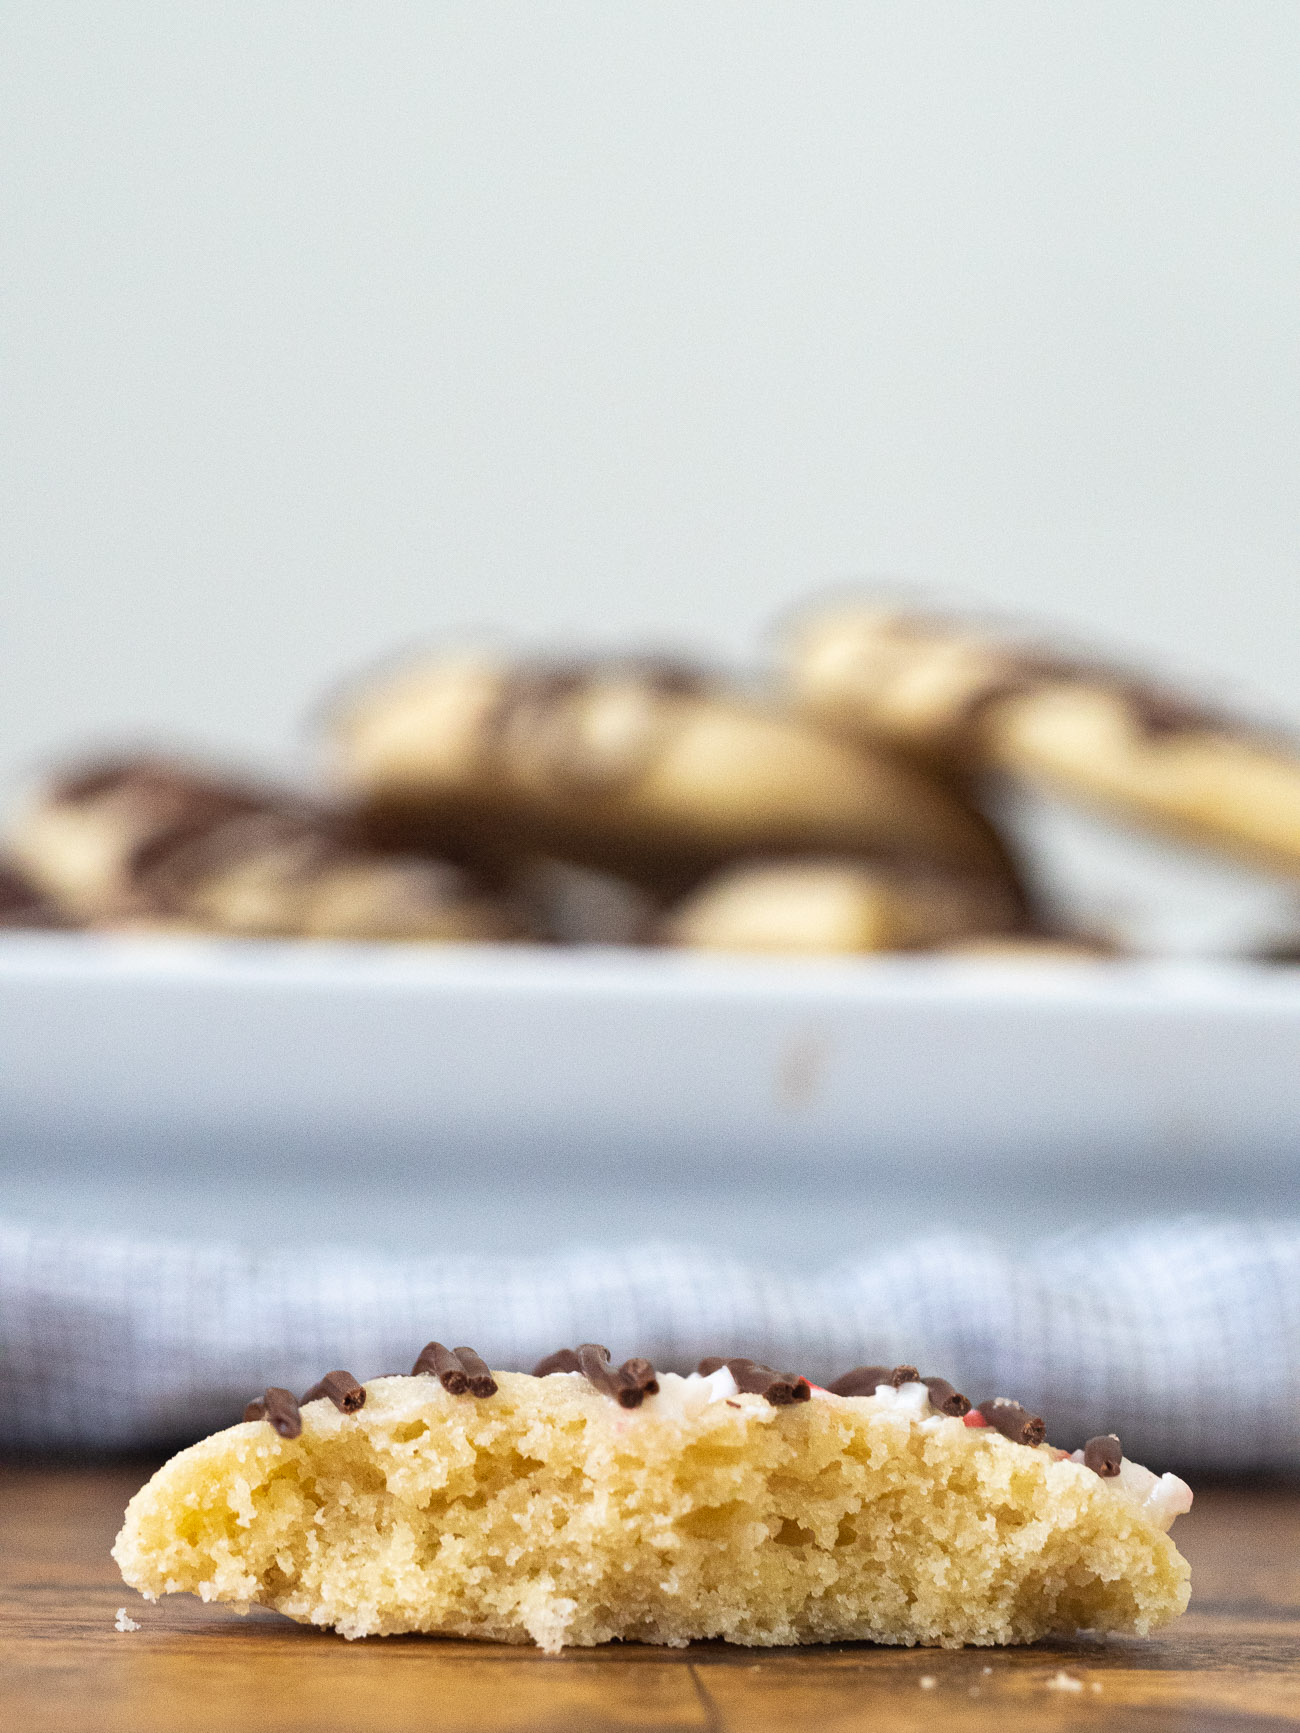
{"x":1153,"y":711}
{"x":174,"y":861}
{"x":458,"y":1370}
{"x":1001,"y":672}
{"x":170,"y":790}
{"x":781,"y":1389}
{"x":541,"y":722}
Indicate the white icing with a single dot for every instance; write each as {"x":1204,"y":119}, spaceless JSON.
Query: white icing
{"x":911,"y":1401}
{"x":681,"y":1398}
{"x":1160,"y":1497}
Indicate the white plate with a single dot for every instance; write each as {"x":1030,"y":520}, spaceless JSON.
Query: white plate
{"x":510,"y":1097}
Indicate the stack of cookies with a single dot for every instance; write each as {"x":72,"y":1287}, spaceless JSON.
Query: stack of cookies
{"x":843,"y":808}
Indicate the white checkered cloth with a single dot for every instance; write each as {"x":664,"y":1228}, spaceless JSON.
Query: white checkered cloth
{"x":1183,"y":1337}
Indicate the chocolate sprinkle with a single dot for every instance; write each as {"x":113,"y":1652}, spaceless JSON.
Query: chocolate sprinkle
{"x":279,"y":1408}
{"x":945,"y":1398}
{"x":644,"y":1373}
{"x":444,"y":1366}
{"x":781,"y":1389}
{"x":862,"y":1380}
{"x":457,"y":1369}
{"x":342,"y":1389}
{"x":629,"y":1384}
{"x":481,"y":1381}
{"x":1103,"y":1455}
{"x":563,"y":1360}
{"x":1013,"y":1421}
{"x":461,"y":1371}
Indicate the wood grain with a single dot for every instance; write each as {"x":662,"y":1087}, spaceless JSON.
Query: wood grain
{"x":1233,"y":1662}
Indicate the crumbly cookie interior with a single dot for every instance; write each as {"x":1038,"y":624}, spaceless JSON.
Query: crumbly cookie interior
{"x":550,"y":1514}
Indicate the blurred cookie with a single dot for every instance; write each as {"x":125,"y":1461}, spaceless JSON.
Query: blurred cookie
{"x":1031,"y":948}
{"x":149,"y":843}
{"x":635,"y":769}
{"x":832,"y":907}
{"x":280,"y":874}
{"x":78,"y":839}
{"x":955,"y":698}
{"x":22,"y":904}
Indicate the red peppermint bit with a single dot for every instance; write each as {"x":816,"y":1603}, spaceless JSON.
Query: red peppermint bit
{"x":974,"y":1418}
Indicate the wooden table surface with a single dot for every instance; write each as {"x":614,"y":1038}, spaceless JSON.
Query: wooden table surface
{"x":1232,"y":1662}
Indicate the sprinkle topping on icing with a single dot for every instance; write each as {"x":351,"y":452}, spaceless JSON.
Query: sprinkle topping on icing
{"x":457,"y":1369}
{"x":896,"y":1390}
{"x":342,"y":1390}
{"x":280,"y":1408}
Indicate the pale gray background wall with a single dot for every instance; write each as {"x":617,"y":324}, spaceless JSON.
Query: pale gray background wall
{"x":329,"y":327}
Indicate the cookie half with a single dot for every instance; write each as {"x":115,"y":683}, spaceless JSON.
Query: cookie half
{"x":584,"y":1506}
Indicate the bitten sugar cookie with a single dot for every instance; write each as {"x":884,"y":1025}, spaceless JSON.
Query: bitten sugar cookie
{"x":590,"y":1501}
{"x":835,"y":908}
{"x":639,"y":770}
{"x":953,"y":697}
{"x":151,"y":843}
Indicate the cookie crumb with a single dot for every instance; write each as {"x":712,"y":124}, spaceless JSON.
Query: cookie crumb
{"x":124,"y":1621}
{"x":986,"y":1671}
{"x":1064,"y":1682}
{"x":928,"y":1681}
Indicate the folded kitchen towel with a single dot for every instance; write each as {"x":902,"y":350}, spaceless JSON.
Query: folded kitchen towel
{"x":1182,"y":1336}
